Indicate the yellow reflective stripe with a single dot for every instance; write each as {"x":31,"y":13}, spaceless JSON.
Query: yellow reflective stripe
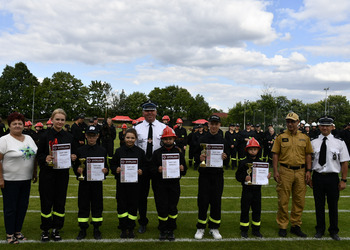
{"x":46,"y":215}
{"x":173,"y":216}
{"x":244,"y":224}
{"x":163,"y":219}
{"x":132,"y":217}
{"x":83,"y":219}
{"x":215,"y":221}
{"x":96,"y":219}
{"x":256,"y":223}
{"x":109,"y":157}
{"x":123,"y":215}
{"x":233,"y":159}
{"x":58,"y":214}
{"x":203,"y":221}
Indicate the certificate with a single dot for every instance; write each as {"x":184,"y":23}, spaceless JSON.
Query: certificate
{"x":61,"y":156}
{"x":129,"y":170}
{"x":260,"y":172}
{"x":171,"y":166}
{"x":214,"y":155}
{"x":94,"y":166}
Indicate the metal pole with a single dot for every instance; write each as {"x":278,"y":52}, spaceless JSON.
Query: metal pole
{"x":33,"y":105}
{"x":325,"y":101}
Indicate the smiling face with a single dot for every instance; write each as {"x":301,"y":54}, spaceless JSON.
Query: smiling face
{"x":214,"y":127}
{"x":150,"y":115}
{"x":130,"y":139}
{"x":325,"y":129}
{"x":58,"y":121}
{"x":16,"y":127}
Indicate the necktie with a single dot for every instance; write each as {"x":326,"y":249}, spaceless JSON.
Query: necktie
{"x":149,"y":142}
{"x":323,"y":152}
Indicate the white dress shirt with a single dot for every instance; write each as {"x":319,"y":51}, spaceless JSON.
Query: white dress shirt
{"x":142,"y":134}
{"x":337,"y":152}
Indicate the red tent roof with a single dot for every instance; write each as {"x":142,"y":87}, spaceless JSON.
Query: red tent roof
{"x":200,"y":121}
{"x":140,"y":119}
{"x":122,"y":118}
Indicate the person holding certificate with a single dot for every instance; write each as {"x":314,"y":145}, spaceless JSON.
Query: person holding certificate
{"x":127,"y":164}
{"x":91,"y":174}
{"x":251,"y":194}
{"x":168,"y":167}
{"x":214,"y":155}
{"x":56,"y":151}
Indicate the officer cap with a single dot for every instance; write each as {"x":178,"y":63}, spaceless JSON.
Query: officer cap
{"x":91,"y":120}
{"x":149,"y":105}
{"x":257,"y":125}
{"x":231,"y":125}
{"x":248,"y":124}
{"x":95,"y":118}
{"x":92,"y":130}
{"x":292,"y":116}
{"x":200,"y":126}
{"x":326,"y":121}
{"x":214,"y":118}
{"x":237,"y":124}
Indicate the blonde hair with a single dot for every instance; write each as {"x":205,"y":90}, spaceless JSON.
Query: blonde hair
{"x":58,"y":111}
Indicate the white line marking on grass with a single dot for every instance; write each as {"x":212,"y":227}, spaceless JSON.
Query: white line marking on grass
{"x":195,"y":212}
{"x":181,"y":240}
{"x":191,"y":197}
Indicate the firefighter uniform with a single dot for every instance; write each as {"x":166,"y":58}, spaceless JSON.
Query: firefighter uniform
{"x":53,"y":183}
{"x":127,"y":193}
{"x":251,"y":197}
{"x":210,"y":186}
{"x":196,"y":146}
{"x":166,"y":191}
{"x":90,"y":193}
{"x":181,"y":140}
{"x":292,"y":150}
{"x":232,"y":140}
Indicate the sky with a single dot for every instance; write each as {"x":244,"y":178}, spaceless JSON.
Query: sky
{"x":226,"y":50}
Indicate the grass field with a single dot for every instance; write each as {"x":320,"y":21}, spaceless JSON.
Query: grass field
{"x":186,"y":222}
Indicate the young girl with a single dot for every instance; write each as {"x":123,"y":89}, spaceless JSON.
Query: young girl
{"x":251,"y":194}
{"x":127,"y":192}
{"x":167,"y":191}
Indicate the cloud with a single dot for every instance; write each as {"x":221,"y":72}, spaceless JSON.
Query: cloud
{"x":103,"y":31}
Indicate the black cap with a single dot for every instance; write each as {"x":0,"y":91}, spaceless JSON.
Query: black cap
{"x":237,"y":124}
{"x":81,"y":116}
{"x":326,"y":120}
{"x":200,"y":126}
{"x":91,"y":120}
{"x":214,"y":118}
{"x":248,"y":124}
{"x":95,"y":118}
{"x":92,"y":130}
{"x":270,"y":125}
{"x":231,"y":125}
{"x":149,"y":105}
{"x":257,"y":125}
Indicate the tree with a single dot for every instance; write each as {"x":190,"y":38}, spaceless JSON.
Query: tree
{"x":172,"y":101}
{"x":16,"y":89}
{"x":199,"y":109}
{"x":134,"y":101}
{"x":99,"y":93}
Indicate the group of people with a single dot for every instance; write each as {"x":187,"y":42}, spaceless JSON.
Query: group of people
{"x":153,"y":154}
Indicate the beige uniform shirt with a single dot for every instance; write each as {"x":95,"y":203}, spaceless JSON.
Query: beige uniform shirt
{"x":292,"y":149}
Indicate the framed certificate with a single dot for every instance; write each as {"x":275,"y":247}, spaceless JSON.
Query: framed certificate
{"x":94,"y":166}
{"x":171,"y":166}
{"x":260,"y":171}
{"x":129,"y":170}
{"x":214,"y":155}
{"x":61,"y":156}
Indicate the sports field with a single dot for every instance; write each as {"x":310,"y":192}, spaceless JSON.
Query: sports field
{"x":186,"y":222}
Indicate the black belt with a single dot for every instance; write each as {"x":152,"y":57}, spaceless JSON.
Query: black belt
{"x":292,"y":167}
{"x":332,"y":173}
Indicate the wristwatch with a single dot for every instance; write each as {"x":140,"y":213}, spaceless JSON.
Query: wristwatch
{"x":343,"y":180}
{"x":309,"y":170}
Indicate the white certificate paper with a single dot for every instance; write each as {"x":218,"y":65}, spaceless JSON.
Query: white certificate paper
{"x":171,"y":166}
{"x":214,"y":155}
{"x":61,"y":156}
{"x":129,"y":168}
{"x":94,"y":167}
{"x":260,"y":172}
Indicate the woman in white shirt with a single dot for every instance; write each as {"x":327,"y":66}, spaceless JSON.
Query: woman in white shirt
{"x":17,"y":156}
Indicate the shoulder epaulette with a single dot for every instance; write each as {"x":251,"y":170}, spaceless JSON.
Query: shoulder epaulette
{"x":338,"y":137}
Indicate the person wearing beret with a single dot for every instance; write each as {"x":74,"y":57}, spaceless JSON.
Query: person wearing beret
{"x":330,"y":158}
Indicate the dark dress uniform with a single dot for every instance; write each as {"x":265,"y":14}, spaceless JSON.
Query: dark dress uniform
{"x":53,"y":183}
{"x":190,"y":148}
{"x":108,"y":135}
{"x":210,"y":186}
{"x":232,"y":140}
{"x":121,"y":136}
{"x":251,"y":197}
{"x":127,"y":193}
{"x":268,"y":146}
{"x":166,"y":191}
{"x":196,"y":147}
{"x":90,"y":193}
{"x":181,"y":140}
{"x":78,"y":133}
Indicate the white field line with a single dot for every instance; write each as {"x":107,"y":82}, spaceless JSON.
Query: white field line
{"x":188,"y":177}
{"x":194,"y":212}
{"x":190,"y":197}
{"x":130,"y":241}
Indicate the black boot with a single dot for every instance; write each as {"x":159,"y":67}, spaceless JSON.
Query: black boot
{"x":97,"y":233}
{"x":82,"y":234}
